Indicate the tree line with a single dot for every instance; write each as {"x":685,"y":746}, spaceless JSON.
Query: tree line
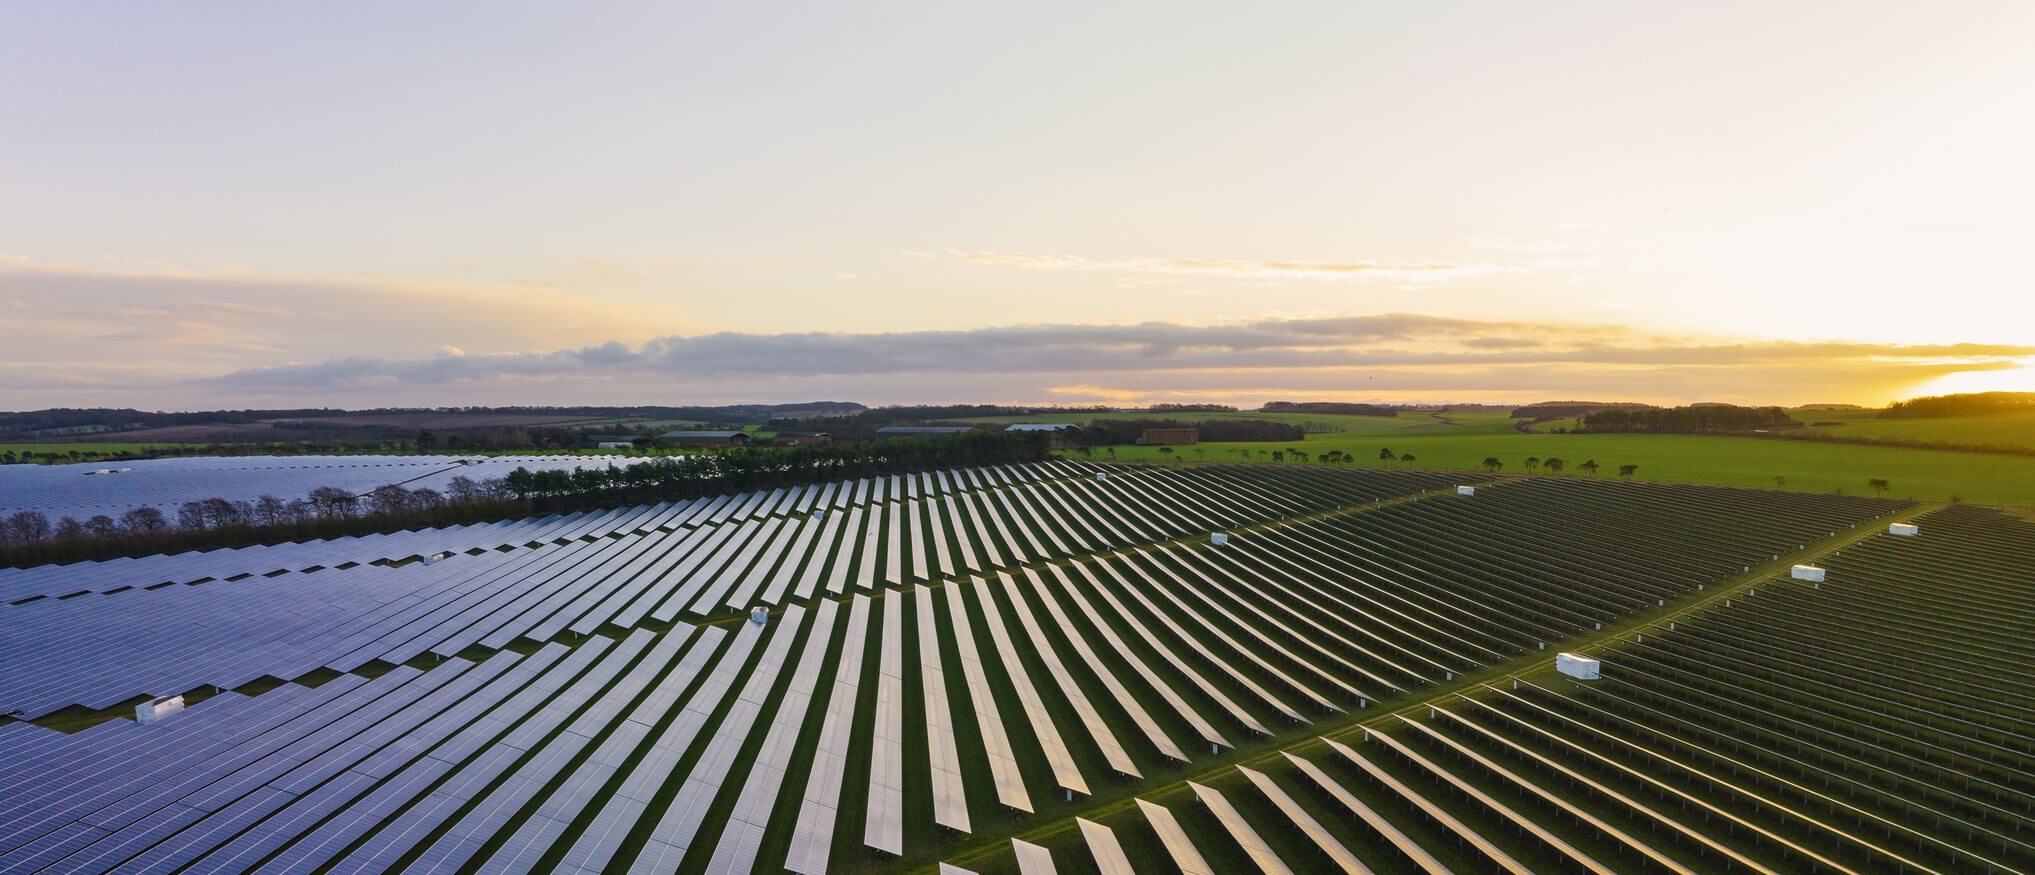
{"x":1692,"y":419}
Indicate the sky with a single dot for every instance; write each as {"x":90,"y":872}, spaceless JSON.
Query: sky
{"x":385,"y":204}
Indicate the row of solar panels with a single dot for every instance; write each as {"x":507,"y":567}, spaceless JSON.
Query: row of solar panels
{"x":52,"y":581}
{"x":708,"y":748}
{"x":99,"y":650}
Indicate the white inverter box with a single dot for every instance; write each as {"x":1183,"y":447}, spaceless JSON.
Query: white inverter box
{"x":1577,"y":666}
{"x":1904,"y":529}
{"x":1218,"y":538}
{"x":1806,"y":572}
{"x":1466,"y":490}
{"x":158,"y":708}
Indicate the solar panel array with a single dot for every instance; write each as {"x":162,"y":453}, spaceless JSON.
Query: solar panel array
{"x":844,"y":731}
{"x":1876,"y":721}
{"x":100,"y":649}
{"x":78,"y":490}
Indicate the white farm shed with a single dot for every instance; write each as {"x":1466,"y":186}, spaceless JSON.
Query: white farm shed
{"x":1577,"y":666}
{"x":1806,"y":572}
{"x":1466,"y":490}
{"x":1904,"y":529}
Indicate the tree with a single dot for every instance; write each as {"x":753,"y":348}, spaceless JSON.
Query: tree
{"x":394,"y":499}
{"x":1385,"y":455}
{"x":1493,"y":463}
{"x":1780,"y":482}
{"x":1407,"y":458}
{"x":270,"y":510}
{"x":68,"y":528}
{"x":1532,"y":463}
{"x":1626,"y":471}
{"x":1878,"y":485}
{"x":1554,"y":465}
{"x":332,"y":502}
{"x":1589,"y":467}
{"x":463,"y":489}
{"x":27,"y":527}
{"x":1166,"y":451}
{"x":144,"y":521}
{"x":102,"y":526}
{"x":191,"y":516}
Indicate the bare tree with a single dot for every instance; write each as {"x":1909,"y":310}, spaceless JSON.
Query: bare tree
{"x":191,"y":516}
{"x":27,"y":526}
{"x":144,"y":521}
{"x":388,"y":499}
{"x":270,"y":511}
{"x":332,"y":502}
{"x":463,"y":489}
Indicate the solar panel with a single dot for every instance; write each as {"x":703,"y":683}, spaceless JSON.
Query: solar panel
{"x":884,"y":825}
{"x":950,"y":802}
{"x":1003,"y":766}
{"x":1240,"y":830}
{"x":1109,"y":856}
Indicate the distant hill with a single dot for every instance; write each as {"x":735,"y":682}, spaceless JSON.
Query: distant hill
{"x":1823,"y":406}
{"x":1960,"y":405}
{"x":1572,"y":409}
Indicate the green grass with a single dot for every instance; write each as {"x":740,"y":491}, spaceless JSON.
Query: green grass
{"x":2013,"y":429}
{"x":1928,"y":475}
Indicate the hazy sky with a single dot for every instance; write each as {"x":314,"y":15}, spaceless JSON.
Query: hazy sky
{"x":365,"y":204}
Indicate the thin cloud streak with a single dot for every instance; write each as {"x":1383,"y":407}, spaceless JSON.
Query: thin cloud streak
{"x":1297,"y":350}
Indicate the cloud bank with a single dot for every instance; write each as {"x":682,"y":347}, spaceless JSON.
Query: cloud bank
{"x":1378,"y":355}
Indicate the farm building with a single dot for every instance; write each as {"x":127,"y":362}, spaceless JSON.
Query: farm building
{"x":1169,"y":437}
{"x":704,"y":438}
{"x":611,"y":441}
{"x":803,"y":438}
{"x":893,"y":431}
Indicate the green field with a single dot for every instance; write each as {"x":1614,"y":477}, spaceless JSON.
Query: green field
{"x":1928,"y":475}
{"x":2014,"y":430}
{"x":1409,"y":422}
